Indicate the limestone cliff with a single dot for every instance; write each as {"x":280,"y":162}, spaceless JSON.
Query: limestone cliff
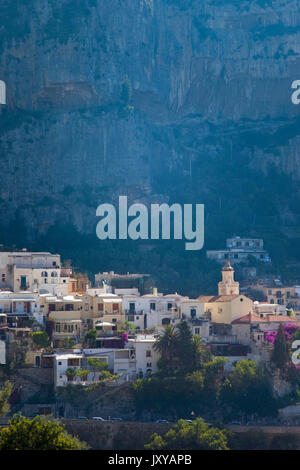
{"x":157,"y":99}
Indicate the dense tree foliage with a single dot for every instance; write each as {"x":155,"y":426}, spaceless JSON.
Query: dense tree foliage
{"x":89,"y":339}
{"x":197,"y":435}
{"x":40,"y":339}
{"x":281,"y":355}
{"x":5,"y":392}
{"x":190,"y":379}
{"x":37,"y":434}
{"x":246,"y":392}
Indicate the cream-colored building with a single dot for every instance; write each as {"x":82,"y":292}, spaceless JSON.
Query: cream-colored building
{"x":280,"y":295}
{"x":65,"y":313}
{"x":102,"y":307}
{"x":32,"y":271}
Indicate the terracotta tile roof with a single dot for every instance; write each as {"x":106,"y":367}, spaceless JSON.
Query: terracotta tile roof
{"x":280,"y":318}
{"x":253,"y":318}
{"x":205,"y":298}
{"x":249,"y":318}
{"x":217,"y":298}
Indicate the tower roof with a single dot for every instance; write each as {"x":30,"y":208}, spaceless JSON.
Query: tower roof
{"x":227,"y":266}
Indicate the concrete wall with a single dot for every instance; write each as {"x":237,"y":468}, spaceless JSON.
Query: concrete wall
{"x":115,"y":435}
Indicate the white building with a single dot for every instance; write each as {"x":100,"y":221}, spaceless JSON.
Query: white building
{"x":239,"y":249}
{"x":191,"y":309}
{"x":119,"y":362}
{"x":146,"y":356}
{"x":19,"y":303}
{"x":32,"y":271}
{"x":152,"y":311}
{"x":137,"y":359}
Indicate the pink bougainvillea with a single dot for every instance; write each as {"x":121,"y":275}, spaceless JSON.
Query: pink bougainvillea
{"x":289,"y":329}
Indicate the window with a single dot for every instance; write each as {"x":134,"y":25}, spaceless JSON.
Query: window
{"x":54,"y":263}
{"x":152,"y":306}
{"x":100,"y":307}
{"x":44,"y":274}
{"x":193,"y":312}
{"x":54,"y":274}
{"x":132,"y":307}
{"x":114,"y":320}
{"x":69,"y":307}
{"x":3,"y":277}
{"x":73,"y":362}
{"x":170,"y":306}
{"x":148,"y":353}
{"x":149,"y":364}
{"x":270,"y":292}
{"x":59,"y":363}
{"x":115,"y":307}
{"x":197,"y":331}
{"x":23,"y":282}
{"x":236,"y":256}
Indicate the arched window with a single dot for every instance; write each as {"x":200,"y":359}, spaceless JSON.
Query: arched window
{"x":54,"y":274}
{"x":44,"y":274}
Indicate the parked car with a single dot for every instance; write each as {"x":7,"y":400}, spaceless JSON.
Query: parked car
{"x":115,"y":419}
{"x":82,"y":417}
{"x":251,"y":423}
{"x":188,"y":420}
{"x":98,"y":418}
{"x":161,"y":421}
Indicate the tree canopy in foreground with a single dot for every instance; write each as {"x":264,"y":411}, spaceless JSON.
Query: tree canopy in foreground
{"x":38,"y":433}
{"x":197,"y":435}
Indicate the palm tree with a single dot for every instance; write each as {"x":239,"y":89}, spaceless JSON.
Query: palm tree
{"x":166,"y":345}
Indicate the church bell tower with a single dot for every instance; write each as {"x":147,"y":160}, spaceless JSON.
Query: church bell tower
{"x":228,"y":286}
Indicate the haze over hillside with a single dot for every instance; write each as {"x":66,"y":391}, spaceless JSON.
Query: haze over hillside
{"x":163,"y":101}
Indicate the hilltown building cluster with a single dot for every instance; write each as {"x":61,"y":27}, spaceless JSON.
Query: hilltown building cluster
{"x":38,"y":293}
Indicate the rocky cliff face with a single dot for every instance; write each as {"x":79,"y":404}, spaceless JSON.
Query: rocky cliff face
{"x":157,"y":99}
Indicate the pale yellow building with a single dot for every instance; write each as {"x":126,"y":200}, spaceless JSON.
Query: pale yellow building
{"x":102,"y":307}
{"x":65,"y":313}
{"x":229,"y":304}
